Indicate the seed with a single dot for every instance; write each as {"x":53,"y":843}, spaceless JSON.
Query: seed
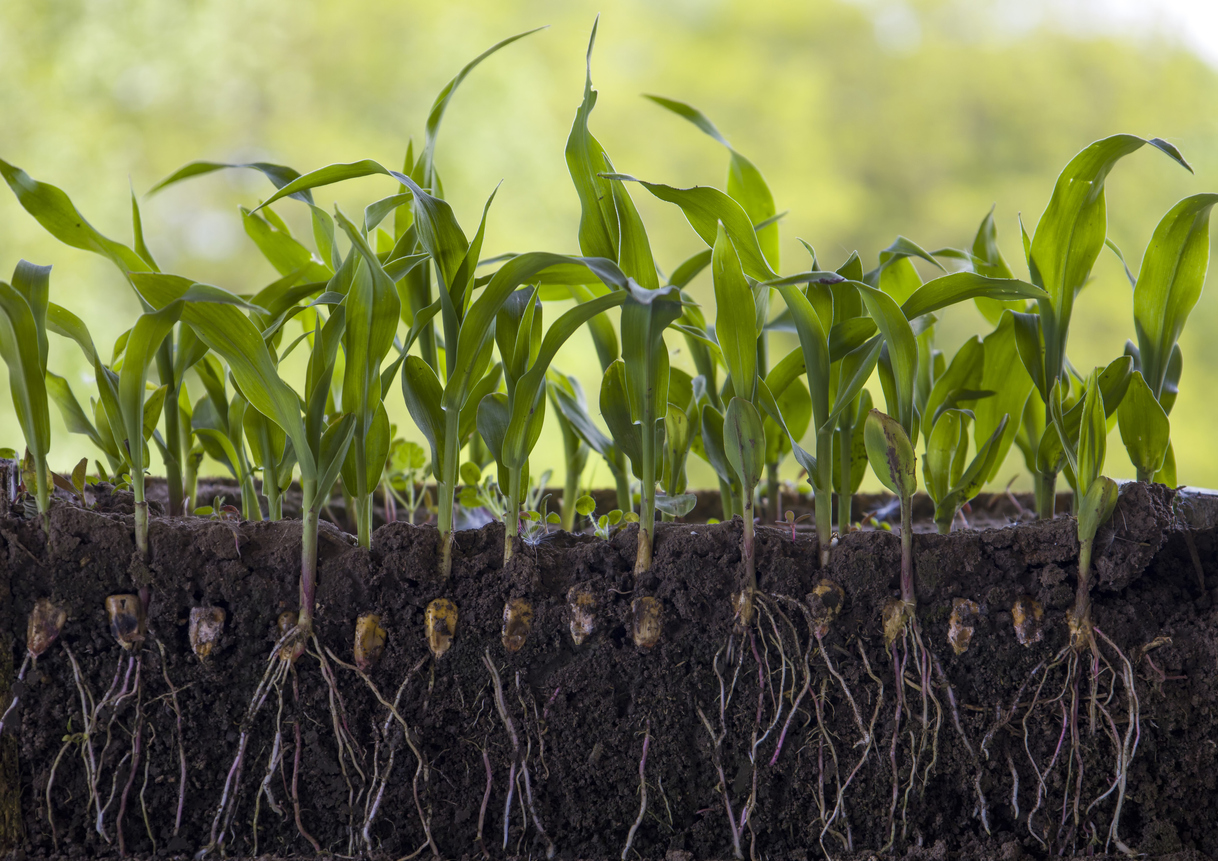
{"x":895,"y":615}
{"x":294,"y":647}
{"x":582,"y":606}
{"x":646,"y":621}
{"x":46,"y":621}
{"x":126,"y":614}
{"x":369,"y":641}
{"x":1028,"y":616}
{"x":517,"y":622}
{"x":962,"y":624}
{"x":826,"y":602}
{"x":206,"y":625}
{"x":441,"y":623}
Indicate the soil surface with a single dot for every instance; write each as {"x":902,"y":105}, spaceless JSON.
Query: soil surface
{"x":548,"y":754}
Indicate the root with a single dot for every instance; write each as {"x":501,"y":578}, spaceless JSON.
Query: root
{"x":717,"y":750}
{"x":982,"y":809}
{"x":642,"y":792}
{"x":520,"y":759}
{"x":486,"y":800}
{"x":345,"y":742}
{"x":276,"y":671}
{"x":25,"y":664}
{"x":273,"y":764}
{"x":136,"y":750}
{"x":177,"y":711}
{"x":296,"y":767}
{"x":381,"y":780}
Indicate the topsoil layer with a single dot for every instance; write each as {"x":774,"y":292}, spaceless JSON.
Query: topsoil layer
{"x":584,"y":714}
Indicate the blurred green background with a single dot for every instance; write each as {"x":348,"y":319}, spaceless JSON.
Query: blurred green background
{"x":868,"y":119}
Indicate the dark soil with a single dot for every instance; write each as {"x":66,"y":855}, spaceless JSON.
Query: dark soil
{"x":583,"y":713}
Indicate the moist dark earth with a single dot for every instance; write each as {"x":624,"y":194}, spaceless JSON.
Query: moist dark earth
{"x":584,"y":714}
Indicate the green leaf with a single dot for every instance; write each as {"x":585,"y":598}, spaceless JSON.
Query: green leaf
{"x":1005,"y":375}
{"x":425,"y":168}
{"x":150,"y":330}
{"x":891,"y":454}
{"x":744,"y":442}
{"x":705,"y":208}
{"x":963,"y":374}
{"x":961,"y":286}
{"x":901,"y":347}
{"x":54,"y":211}
{"x":278,"y":174}
{"x":734,"y":316}
{"x":1145,"y":430}
{"x":676,"y":506}
{"x":1096,"y":506}
{"x":19,"y":347}
{"x":615,"y":409}
{"x":1093,"y":436}
{"x":1070,"y":234}
{"x":423,"y":395}
{"x":1169,"y":285}
{"x":585,"y":506}
{"x":280,"y":249}
{"x":745,"y":183}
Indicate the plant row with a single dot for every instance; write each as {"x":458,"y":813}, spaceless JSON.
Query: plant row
{"x":400,"y":299}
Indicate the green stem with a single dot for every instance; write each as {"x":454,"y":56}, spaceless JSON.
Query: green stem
{"x":621,"y":478}
{"x":944,"y":527}
{"x":446,"y":488}
{"x":907,"y":573}
{"x":570,"y":492}
{"x":308,"y":555}
{"x":1080,"y":621}
{"x":647,"y":512}
{"x":845,"y":500}
{"x":727,"y":500}
{"x":274,"y":499}
{"x":774,"y":490}
{"x":251,"y":509}
{"x":42,"y":493}
{"x":511,"y":517}
{"x":363,"y":496}
{"x":1045,"y":486}
{"x":823,"y":487}
{"x":1145,"y":476}
{"x":173,"y":441}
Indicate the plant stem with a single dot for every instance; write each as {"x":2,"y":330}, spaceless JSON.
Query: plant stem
{"x":647,"y":507}
{"x":173,"y":441}
{"x":141,"y":514}
{"x":774,"y":491}
{"x":511,"y":517}
{"x":621,"y":478}
{"x":308,"y":555}
{"x":1147,"y":477}
{"x":570,"y":492}
{"x":727,"y":500}
{"x":42,"y":494}
{"x":190,"y":486}
{"x":944,"y":527}
{"x":363,"y":496}
{"x":907,"y":573}
{"x":750,"y":565}
{"x":251,"y":509}
{"x":274,"y":499}
{"x":1080,"y":616}
{"x":363,"y":516}
{"x":1046,"y":492}
{"x":446,"y":487}
{"x":845,"y":501}
{"x":823,"y":487}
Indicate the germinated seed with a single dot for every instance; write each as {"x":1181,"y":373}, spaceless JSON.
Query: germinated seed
{"x":963,"y":624}
{"x":517,"y":622}
{"x":46,"y":621}
{"x":581,"y":605}
{"x":369,"y":641}
{"x":440,"y":621}
{"x":206,"y":626}
{"x":646,"y":621}
{"x":1028,"y":616}
{"x":126,"y":613}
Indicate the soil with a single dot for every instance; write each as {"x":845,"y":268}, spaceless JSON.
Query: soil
{"x":584,"y":714}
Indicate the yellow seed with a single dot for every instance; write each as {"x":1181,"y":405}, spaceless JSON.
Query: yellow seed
{"x":961,"y":626}
{"x":46,"y":621}
{"x":896,"y":617}
{"x":441,"y":623}
{"x":126,"y":613}
{"x":1028,"y":616}
{"x":517,"y":622}
{"x":369,"y":641}
{"x":826,"y":602}
{"x":293,"y":648}
{"x":582,"y":606}
{"x":206,"y":625}
{"x":646,"y":621}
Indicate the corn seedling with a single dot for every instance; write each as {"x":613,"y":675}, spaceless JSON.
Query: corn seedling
{"x":23,"y":345}
{"x":1164,"y":293}
{"x":1067,"y":241}
{"x":569,"y":401}
{"x":575,"y":450}
{"x":510,"y":424}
